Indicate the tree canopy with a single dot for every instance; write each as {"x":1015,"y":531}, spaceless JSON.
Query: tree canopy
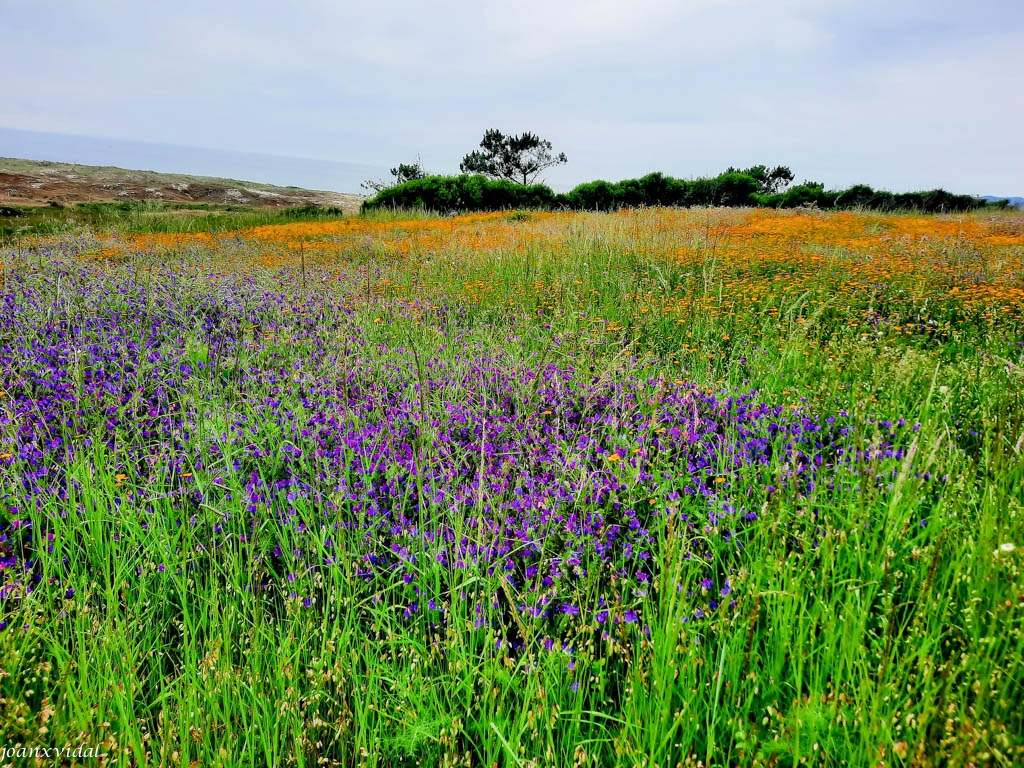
{"x":402,"y":173}
{"x":772,"y":180}
{"x":516,"y":158}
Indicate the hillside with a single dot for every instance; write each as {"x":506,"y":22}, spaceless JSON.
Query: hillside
{"x":25,"y":183}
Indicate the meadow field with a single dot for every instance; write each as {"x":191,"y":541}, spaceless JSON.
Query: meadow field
{"x":663,"y":487}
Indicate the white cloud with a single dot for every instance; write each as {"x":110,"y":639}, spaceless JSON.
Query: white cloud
{"x":899,"y":95}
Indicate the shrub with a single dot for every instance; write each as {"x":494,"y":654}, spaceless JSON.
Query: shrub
{"x":309,"y":210}
{"x":593,"y":196}
{"x":447,"y":194}
{"x":810,"y":193}
{"x":932,"y":201}
{"x":857,"y":196}
{"x":735,"y":189}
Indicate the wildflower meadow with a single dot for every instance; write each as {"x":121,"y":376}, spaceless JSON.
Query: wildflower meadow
{"x":658,"y":487}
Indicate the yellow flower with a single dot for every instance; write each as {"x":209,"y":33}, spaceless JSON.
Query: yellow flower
{"x":614,"y":457}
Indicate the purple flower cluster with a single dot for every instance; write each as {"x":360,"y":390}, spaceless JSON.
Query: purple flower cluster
{"x":226,"y":409}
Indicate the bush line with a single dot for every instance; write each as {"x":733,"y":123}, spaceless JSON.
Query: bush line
{"x":452,"y":194}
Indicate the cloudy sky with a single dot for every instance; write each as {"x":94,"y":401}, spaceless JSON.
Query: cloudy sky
{"x":901,"y":95}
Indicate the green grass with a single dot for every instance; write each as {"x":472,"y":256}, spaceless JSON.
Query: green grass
{"x":860,"y":637}
{"x":21,"y":223}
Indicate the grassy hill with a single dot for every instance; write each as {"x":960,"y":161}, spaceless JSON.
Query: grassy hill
{"x":41,"y":197}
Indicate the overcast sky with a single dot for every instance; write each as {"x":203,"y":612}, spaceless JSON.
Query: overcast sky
{"x":899,"y":94}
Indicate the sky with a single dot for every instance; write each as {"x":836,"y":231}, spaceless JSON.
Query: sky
{"x":901,"y":95}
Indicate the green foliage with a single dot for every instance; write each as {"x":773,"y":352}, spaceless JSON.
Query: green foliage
{"x":770,"y":180}
{"x":734,"y":189}
{"x":594,"y":196}
{"x":313,"y":211}
{"x":142,"y":216}
{"x":809,"y":194}
{"x":752,"y":187}
{"x":402,"y":173}
{"x":516,"y":158}
{"x":449,"y":194}
{"x":932,"y":201}
{"x":858,"y":632}
{"x":861,"y":196}
{"x":728,"y":189}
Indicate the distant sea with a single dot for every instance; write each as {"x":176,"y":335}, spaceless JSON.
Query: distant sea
{"x":308,"y":173}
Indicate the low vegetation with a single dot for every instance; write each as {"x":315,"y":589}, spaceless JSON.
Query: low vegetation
{"x":25,"y":222}
{"x":658,"y":487}
{"x":453,"y":194}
